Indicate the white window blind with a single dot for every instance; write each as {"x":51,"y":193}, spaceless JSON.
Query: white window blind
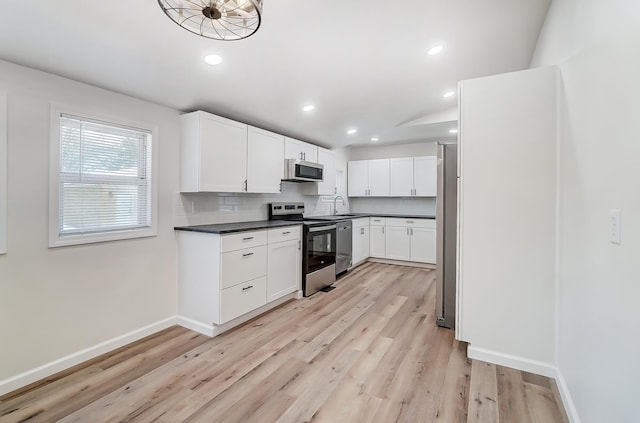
{"x":104,"y":177}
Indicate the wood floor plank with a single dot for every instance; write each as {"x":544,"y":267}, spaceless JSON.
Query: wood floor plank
{"x":368,"y":351}
{"x":512,"y":405}
{"x":541,"y":403}
{"x":454,"y":401}
{"x":483,"y":402}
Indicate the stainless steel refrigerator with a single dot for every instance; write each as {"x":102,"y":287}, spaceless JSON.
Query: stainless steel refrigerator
{"x":446,"y":235}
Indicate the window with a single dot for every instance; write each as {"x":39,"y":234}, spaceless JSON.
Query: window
{"x":102,"y":188}
{"x":3,"y":173}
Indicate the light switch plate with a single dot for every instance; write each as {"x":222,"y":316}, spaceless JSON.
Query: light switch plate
{"x":616,"y":220}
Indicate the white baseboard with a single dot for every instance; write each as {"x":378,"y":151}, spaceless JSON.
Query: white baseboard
{"x":515,"y":362}
{"x":569,"y":406}
{"x":46,"y":370}
{"x":401,"y":263}
{"x":215,"y":330}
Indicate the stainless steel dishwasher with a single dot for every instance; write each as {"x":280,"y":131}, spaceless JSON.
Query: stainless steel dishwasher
{"x":343,"y":246}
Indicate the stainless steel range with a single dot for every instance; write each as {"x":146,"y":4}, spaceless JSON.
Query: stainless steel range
{"x":319,"y":246}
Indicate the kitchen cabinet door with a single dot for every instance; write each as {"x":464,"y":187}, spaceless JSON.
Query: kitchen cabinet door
{"x":425,"y":176}
{"x":213,"y":153}
{"x":284,"y":269}
{"x":299,"y":150}
{"x":379,"y":178}
{"x":357,"y":178}
{"x":360,"y":243}
{"x":265,"y":161}
{"x":377,"y":240}
{"x":423,"y":245}
{"x":328,"y":186}
{"x":401,"y":177}
{"x":397,"y":242}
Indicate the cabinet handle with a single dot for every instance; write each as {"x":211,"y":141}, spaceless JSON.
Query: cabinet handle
{"x":335,"y":190}
{"x":245,"y":184}
{"x":286,"y":233}
{"x":383,"y":230}
{"x":247,"y":254}
{"x":411,"y":231}
{"x":361,"y":231}
{"x":299,"y":245}
{"x":247,"y":238}
{"x":407,"y":231}
{"x":409,"y":221}
{"x":247,"y":287}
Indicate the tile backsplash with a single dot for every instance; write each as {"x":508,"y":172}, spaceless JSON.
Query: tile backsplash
{"x":409,"y":206}
{"x":209,"y":208}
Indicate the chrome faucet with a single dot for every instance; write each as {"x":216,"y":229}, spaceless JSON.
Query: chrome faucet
{"x":335,"y":208}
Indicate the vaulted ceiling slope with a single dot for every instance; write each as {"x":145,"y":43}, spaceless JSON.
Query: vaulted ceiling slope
{"x":362,"y":63}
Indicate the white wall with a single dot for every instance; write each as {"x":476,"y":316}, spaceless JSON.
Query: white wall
{"x":507,"y":218}
{"x":412,"y":206}
{"x":596,"y":45}
{"x":58,"y":301}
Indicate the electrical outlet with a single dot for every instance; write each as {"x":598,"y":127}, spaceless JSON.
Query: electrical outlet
{"x":616,"y":220}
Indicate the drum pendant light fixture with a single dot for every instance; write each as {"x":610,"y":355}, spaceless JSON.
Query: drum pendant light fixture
{"x":218,"y":19}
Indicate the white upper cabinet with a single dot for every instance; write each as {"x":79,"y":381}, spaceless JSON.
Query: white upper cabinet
{"x":295,"y":149}
{"x":413,"y":176}
{"x":265,"y":161}
{"x":358,"y":178}
{"x":425,"y":176}
{"x":368,"y":178}
{"x":328,"y":186}
{"x":379,"y":178}
{"x":401,"y":177}
{"x":222,"y":155}
{"x":214,"y":153}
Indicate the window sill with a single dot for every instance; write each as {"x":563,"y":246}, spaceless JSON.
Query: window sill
{"x":68,"y":240}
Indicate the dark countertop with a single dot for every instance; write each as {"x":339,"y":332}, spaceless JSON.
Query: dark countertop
{"x":358,"y":215}
{"x":225,"y":228}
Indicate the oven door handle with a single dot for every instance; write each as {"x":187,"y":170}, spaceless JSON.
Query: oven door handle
{"x":322,"y":228}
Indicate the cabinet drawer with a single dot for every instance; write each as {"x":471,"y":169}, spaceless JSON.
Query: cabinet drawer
{"x":377,"y":221}
{"x":242,"y":265}
{"x":358,"y":223}
{"x":411,"y":223}
{"x":242,"y":240}
{"x":287,"y":233}
{"x":243,"y":298}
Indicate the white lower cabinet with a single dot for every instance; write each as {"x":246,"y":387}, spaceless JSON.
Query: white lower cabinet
{"x":411,"y":240}
{"x":423,"y":245}
{"x":397,"y":242}
{"x":222,"y":277}
{"x":360,"y":239}
{"x":377,"y":237}
{"x":242,"y":298}
{"x":284,"y":265}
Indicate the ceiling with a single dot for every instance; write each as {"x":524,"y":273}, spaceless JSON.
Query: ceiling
{"x":362,"y":63}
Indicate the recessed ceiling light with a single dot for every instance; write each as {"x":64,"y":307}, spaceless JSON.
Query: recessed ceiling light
{"x":375,"y":139}
{"x":308,"y":107}
{"x":212,"y":59}
{"x":453,"y":131}
{"x":436,"y":49}
{"x":352,"y":131}
{"x":449,"y":94}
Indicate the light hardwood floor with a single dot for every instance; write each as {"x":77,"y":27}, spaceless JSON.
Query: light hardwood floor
{"x":368,"y":351}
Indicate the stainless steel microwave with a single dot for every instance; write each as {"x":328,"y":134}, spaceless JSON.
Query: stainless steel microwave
{"x":300,"y":171}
